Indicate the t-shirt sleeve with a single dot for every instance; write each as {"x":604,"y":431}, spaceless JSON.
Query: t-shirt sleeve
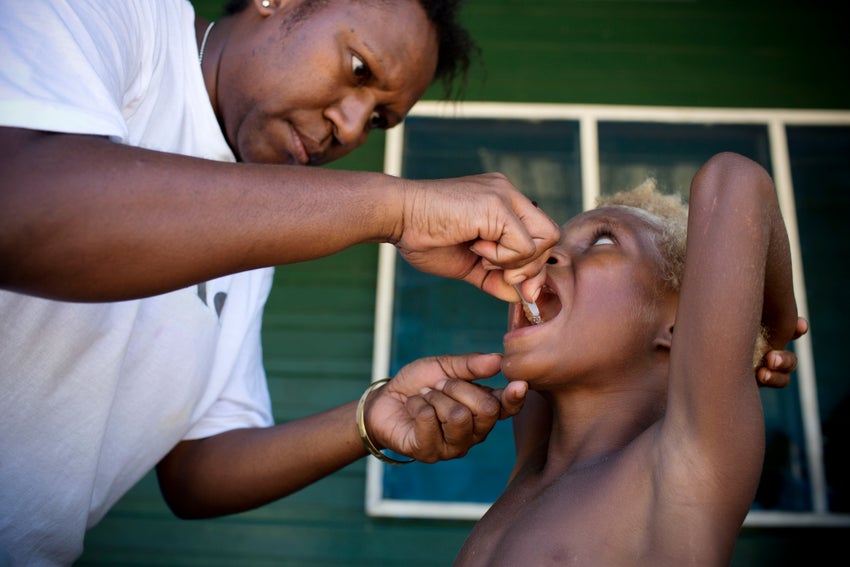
{"x":66,"y":67}
{"x":244,"y":399}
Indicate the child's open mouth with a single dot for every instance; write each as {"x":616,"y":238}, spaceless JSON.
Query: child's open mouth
{"x":548,"y":303}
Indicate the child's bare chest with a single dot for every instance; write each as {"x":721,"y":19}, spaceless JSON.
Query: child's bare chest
{"x":578,"y":519}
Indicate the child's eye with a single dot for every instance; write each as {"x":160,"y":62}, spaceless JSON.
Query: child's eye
{"x":603,"y":235}
{"x":361,"y":71}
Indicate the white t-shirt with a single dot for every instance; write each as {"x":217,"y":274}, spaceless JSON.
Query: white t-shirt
{"x":92,"y":396}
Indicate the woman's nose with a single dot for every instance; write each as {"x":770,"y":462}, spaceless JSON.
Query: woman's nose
{"x":351,"y":117}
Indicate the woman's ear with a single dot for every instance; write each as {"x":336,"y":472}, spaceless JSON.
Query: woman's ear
{"x":266,"y":7}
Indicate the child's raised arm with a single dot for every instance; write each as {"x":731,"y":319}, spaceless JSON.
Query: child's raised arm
{"x":737,"y":277}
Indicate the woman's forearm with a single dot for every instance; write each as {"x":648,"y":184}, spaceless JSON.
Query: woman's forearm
{"x":245,"y":468}
{"x":85,"y":219}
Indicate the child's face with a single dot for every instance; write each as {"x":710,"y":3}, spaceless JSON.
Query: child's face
{"x":600,"y":305}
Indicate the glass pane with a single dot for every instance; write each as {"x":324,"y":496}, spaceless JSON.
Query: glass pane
{"x":540,"y":157}
{"x":439,"y":316}
{"x":820,"y":167}
{"x":630,"y":152}
{"x":784,"y":483}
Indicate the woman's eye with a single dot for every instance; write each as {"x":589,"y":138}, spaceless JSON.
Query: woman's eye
{"x":361,"y":71}
{"x":376,"y":120}
{"x":604,"y":239}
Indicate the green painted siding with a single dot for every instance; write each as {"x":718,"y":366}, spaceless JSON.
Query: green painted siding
{"x":318,"y":325}
{"x":674,"y":52}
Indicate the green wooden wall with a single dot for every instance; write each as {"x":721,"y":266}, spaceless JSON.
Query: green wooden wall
{"x":318,"y":325}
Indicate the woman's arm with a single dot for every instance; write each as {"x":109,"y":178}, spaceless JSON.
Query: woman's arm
{"x":430,"y":411}
{"x":83,"y":218}
{"x":245,"y":468}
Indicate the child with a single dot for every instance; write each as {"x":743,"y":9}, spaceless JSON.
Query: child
{"x":645,"y":443}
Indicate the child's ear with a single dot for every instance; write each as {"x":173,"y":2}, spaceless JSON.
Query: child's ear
{"x":666,"y":321}
{"x":664,"y":340}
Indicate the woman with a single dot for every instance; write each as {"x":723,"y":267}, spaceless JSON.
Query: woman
{"x":152,"y":172}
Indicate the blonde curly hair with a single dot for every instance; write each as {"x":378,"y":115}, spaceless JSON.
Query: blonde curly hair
{"x":671,"y":214}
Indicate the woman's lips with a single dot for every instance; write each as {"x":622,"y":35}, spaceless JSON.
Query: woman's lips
{"x":299,"y":152}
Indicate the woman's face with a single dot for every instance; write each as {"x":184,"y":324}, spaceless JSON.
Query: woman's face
{"x":307,"y":87}
{"x":600,"y":305}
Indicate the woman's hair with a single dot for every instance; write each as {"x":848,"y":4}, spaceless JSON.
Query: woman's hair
{"x":672,"y":215}
{"x":456,"y":46}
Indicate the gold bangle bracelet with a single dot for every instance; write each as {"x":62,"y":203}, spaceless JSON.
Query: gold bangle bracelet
{"x":361,"y":426}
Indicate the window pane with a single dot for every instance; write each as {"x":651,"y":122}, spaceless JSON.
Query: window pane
{"x":629,"y":152}
{"x":540,"y":157}
{"x":440,"y":316}
{"x":820,"y":167}
{"x":784,"y":483}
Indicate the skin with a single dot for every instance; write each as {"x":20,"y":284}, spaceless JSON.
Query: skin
{"x":135,"y":222}
{"x":651,"y":444}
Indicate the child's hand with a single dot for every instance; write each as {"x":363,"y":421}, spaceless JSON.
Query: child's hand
{"x":432,"y":411}
{"x":777,"y":365}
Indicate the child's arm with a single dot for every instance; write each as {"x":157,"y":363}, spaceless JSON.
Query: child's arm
{"x":737,"y":276}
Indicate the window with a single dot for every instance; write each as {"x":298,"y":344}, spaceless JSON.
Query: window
{"x":564,"y":156}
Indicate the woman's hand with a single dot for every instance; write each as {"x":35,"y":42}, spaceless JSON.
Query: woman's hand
{"x":479,"y":229}
{"x":432,"y":411}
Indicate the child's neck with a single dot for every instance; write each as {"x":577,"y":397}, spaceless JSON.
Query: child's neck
{"x":590,"y":426}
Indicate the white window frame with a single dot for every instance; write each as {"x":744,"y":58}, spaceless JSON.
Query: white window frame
{"x":588,"y":118}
